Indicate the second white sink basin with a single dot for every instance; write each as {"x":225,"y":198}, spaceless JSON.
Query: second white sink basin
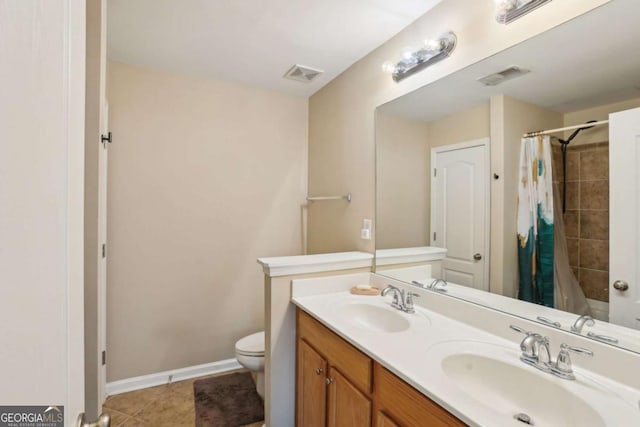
{"x":517,"y":390}
{"x":373,"y":317}
{"x":491,"y":379}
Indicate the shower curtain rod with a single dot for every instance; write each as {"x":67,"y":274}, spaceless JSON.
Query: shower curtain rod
{"x":547,"y":132}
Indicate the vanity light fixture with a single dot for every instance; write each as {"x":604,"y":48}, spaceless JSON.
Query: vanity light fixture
{"x":433,"y":50}
{"x":510,"y":10}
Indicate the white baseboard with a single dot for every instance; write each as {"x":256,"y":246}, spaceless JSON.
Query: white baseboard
{"x":151,"y":380}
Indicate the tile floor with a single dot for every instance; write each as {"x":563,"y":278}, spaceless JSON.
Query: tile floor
{"x":170,"y":405}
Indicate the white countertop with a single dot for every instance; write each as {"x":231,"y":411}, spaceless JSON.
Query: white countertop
{"x":410,"y":354}
{"x":305,"y":264}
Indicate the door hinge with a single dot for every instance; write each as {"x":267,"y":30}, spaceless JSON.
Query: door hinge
{"x":104,"y":250}
{"x":435,"y":172}
{"x":104,"y":357}
{"x":434,"y":236}
{"x":106,"y":138}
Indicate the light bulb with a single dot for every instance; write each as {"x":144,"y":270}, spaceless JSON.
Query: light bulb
{"x":388,"y":67}
{"x":433,"y":45}
{"x":408,"y":53}
{"x":506,"y":5}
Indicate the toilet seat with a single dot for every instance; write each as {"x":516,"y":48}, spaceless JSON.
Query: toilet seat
{"x":251,"y":345}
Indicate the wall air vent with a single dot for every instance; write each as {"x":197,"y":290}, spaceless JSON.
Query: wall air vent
{"x":301,"y":73}
{"x":502,"y":76}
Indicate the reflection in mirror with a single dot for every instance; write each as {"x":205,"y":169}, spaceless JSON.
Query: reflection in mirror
{"x":448,"y":172}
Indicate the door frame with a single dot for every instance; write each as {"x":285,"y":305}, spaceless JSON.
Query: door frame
{"x":481,"y":142}
{"x":75,"y":47}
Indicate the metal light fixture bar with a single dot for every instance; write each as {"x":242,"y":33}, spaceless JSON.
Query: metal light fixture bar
{"x":419,"y":60}
{"x":510,"y":10}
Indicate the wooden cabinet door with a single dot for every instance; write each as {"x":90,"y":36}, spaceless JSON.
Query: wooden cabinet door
{"x":348,"y":407}
{"x":311,"y":398}
{"x":383,"y":421}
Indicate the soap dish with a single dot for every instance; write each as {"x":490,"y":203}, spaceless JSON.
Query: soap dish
{"x":371,"y":291}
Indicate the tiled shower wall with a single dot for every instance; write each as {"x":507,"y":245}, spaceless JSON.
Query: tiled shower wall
{"x":587,"y":214}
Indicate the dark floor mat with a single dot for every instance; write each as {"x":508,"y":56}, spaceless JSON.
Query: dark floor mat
{"x":227,"y":401}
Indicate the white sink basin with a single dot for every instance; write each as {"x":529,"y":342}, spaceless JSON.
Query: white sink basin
{"x":491,"y":381}
{"x":373,"y":317}
{"x":515,"y":390}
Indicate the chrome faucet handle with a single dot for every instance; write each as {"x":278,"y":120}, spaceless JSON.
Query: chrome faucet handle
{"x":422,"y":285}
{"x":529,"y":351}
{"x":408,"y":302}
{"x":581,"y":321}
{"x":603,"y":338}
{"x":519,"y":329}
{"x":562,"y":367}
{"x":534,"y":347}
{"x":549,"y":322}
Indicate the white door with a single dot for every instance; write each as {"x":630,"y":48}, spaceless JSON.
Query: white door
{"x":624,"y":218}
{"x":460,"y":211}
{"x":42,"y":206}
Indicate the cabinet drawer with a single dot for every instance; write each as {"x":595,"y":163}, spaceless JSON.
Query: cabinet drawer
{"x":408,"y":406}
{"x":354,"y":364}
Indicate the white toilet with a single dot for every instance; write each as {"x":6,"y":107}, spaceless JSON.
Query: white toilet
{"x":250,"y":354}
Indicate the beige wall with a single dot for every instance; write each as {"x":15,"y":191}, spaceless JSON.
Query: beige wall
{"x":204,"y":177}
{"x":402,"y":183}
{"x":598,"y":133}
{"x":341,"y":115}
{"x":510,"y":119}
{"x":403,"y":175}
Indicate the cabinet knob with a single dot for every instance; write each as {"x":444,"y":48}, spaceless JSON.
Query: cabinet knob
{"x":328,"y":381}
{"x":319,"y":371}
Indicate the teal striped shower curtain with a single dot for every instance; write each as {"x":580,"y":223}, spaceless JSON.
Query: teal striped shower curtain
{"x":535,"y":222}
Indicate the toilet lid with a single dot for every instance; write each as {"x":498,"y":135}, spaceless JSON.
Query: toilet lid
{"x":251,"y":345}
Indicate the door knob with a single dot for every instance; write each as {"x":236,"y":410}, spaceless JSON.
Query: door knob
{"x":477,"y":257}
{"x":319,"y":371}
{"x":620,"y":285}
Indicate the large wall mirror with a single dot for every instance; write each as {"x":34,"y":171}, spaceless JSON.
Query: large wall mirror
{"x":449,"y":178}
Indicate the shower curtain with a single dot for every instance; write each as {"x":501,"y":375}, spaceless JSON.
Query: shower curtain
{"x":535,"y":222}
{"x":568,"y":293}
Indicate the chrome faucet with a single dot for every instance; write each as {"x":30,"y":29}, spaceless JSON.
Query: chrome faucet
{"x":581,"y":321}
{"x":535,"y":349}
{"x":588,"y":320}
{"x":398,"y":296}
{"x":401,"y":300}
{"x":434,"y":285}
{"x":535,"y":352}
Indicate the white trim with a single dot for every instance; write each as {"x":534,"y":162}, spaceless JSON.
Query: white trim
{"x":409,"y":255}
{"x":160,"y":378}
{"x":304,"y":264}
{"x":74,"y":52}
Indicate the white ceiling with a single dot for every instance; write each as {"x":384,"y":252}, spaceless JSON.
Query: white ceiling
{"x":592,"y":60}
{"x":255,"y":42}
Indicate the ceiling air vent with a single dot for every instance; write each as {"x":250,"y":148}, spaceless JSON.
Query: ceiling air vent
{"x":502,"y":76}
{"x":302,"y":74}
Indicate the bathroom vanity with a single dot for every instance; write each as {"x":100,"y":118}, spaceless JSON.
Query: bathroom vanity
{"x":337,"y":384}
{"x":362,"y":362}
